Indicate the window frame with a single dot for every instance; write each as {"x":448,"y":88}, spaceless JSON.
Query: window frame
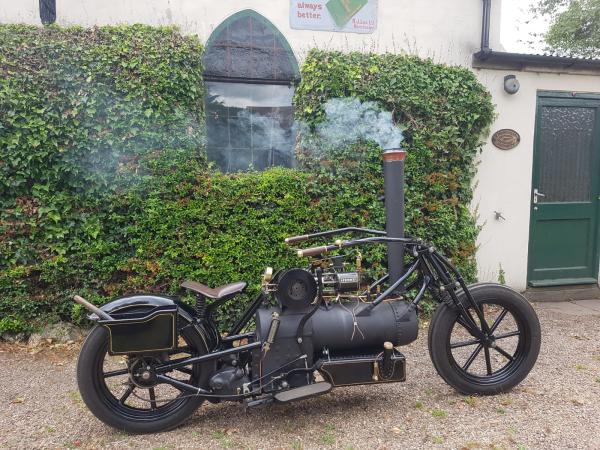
{"x":282,"y":43}
{"x":250,"y":13}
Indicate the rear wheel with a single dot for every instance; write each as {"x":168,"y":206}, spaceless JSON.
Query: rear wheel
{"x":495,"y":361}
{"x":122,"y":391}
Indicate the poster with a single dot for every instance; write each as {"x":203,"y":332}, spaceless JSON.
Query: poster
{"x":346,"y":16}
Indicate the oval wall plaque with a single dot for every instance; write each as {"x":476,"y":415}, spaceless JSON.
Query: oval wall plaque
{"x":506,"y":139}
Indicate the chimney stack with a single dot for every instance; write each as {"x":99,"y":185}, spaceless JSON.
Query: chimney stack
{"x":393,"y":173}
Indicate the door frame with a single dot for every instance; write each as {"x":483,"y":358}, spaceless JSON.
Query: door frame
{"x":562,"y":99}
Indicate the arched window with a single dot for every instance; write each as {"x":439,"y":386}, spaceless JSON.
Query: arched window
{"x":249,"y":71}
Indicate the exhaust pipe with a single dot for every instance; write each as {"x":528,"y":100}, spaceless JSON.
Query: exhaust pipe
{"x":393,"y":174}
{"x":92,"y":308}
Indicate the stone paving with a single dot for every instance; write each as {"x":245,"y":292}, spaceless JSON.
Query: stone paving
{"x":556,"y":407}
{"x":573,"y":308}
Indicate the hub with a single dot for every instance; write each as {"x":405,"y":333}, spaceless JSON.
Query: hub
{"x":141,"y":372}
{"x":490,"y":341}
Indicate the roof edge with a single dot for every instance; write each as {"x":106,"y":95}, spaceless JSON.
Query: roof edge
{"x":535,"y":63}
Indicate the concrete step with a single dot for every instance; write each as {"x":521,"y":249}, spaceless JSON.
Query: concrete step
{"x":563,"y":293}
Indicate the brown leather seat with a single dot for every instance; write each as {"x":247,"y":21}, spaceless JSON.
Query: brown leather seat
{"x":216,"y":293}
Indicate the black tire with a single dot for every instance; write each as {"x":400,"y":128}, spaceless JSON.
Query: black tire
{"x":103,"y":403}
{"x":462,"y":375}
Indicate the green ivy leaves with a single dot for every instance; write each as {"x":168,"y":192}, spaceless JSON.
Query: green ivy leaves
{"x":443,"y":111}
{"x":105,"y":189}
{"x":82,"y":111}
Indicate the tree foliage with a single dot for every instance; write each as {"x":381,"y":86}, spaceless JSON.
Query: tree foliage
{"x":574,"y":26}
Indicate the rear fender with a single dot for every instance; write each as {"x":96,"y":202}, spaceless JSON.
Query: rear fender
{"x":204,"y":328}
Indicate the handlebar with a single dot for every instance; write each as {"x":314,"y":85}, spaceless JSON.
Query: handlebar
{"x":315,"y":251}
{"x":291,"y":240}
{"x":306,"y":237}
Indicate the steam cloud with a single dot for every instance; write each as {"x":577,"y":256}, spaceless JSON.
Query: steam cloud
{"x":349,"y":120}
{"x":253,"y":127}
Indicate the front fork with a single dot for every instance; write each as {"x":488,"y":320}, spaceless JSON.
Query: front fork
{"x":444,"y":282}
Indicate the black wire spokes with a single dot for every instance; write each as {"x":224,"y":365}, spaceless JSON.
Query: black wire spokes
{"x":149,"y":399}
{"x":115,"y":373}
{"x":498,"y":320}
{"x":471,"y":358}
{"x":486,"y":356}
{"x":465,"y":343}
{"x":127,"y":393}
{"x":152,"y":393}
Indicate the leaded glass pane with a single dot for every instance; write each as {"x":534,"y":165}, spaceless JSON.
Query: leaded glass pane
{"x":249,"y":125}
{"x":566,"y":139}
{"x":248,"y":48}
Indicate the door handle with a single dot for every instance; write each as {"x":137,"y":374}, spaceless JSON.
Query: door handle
{"x":537,"y":194}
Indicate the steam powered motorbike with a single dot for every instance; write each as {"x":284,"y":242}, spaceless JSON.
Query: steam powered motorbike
{"x":152,"y":360}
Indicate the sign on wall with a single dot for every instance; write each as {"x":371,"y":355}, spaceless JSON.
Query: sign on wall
{"x":347,"y":16}
{"x":506,"y":139}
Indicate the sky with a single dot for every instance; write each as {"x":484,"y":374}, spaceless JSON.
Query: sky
{"x":517,"y":25}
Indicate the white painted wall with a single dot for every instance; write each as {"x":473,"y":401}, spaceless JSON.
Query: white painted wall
{"x":504,"y":177}
{"x":20,"y":11}
{"x":445,"y":31}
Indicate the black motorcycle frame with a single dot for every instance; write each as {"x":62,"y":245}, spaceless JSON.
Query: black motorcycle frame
{"x":427,"y":270}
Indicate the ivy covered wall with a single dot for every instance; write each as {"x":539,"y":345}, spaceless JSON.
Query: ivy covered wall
{"x":105,"y":188}
{"x":444,"y":112}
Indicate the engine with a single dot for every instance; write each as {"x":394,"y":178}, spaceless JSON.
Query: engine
{"x":303,"y":330}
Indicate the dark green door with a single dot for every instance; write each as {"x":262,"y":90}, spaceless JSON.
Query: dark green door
{"x":564,"y":207}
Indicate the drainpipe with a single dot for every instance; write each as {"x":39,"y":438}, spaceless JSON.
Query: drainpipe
{"x":485,"y":30}
{"x":48,"y":11}
{"x":393,"y":174}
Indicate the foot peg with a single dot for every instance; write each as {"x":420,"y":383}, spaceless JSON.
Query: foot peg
{"x":304,"y":392}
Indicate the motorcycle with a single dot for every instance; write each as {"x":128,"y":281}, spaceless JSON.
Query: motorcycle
{"x":316,"y":328}
{"x":152,"y":360}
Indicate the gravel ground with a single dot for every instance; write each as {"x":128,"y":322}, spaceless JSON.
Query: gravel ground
{"x":557,"y":406}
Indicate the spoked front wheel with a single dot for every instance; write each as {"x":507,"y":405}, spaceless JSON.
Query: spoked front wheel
{"x":496,"y":358}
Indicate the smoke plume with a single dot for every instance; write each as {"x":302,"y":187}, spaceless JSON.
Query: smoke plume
{"x":349,"y":120}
